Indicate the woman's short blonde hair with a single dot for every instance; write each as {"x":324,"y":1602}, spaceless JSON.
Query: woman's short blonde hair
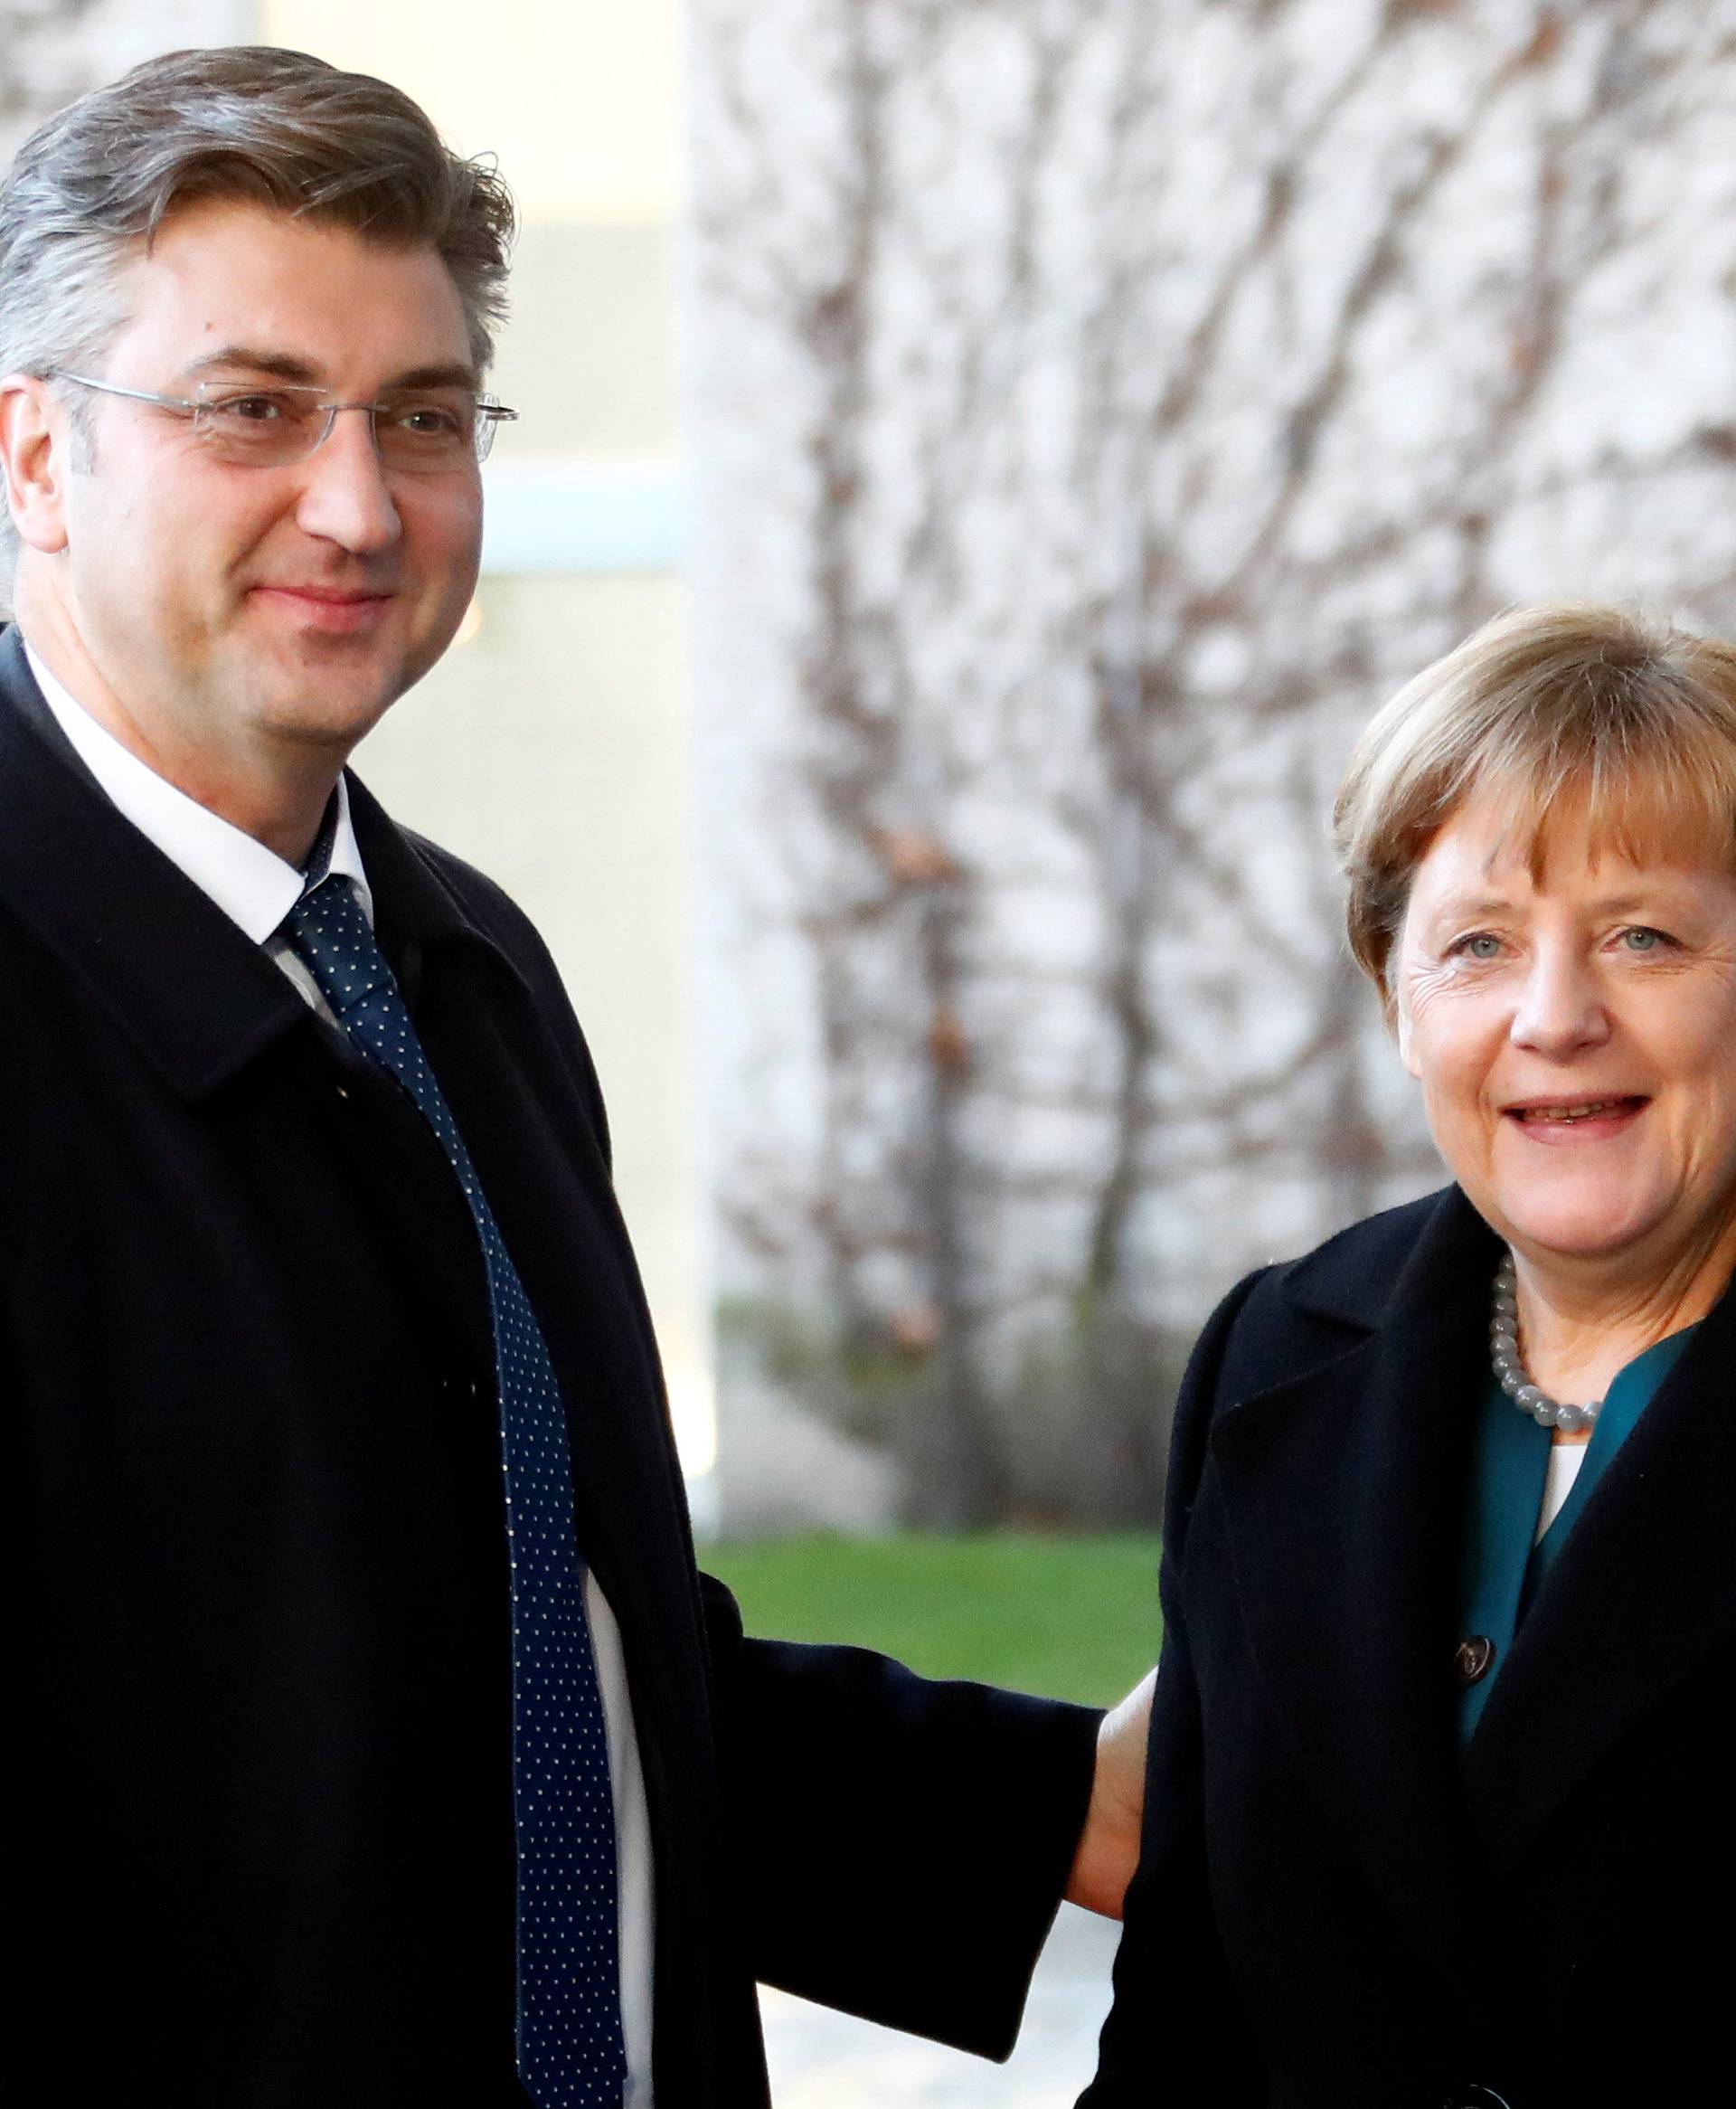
{"x":1621,"y":719}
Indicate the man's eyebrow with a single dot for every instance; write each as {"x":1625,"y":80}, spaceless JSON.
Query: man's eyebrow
{"x":454,"y":374}
{"x":280,"y":365}
{"x":286,"y":366}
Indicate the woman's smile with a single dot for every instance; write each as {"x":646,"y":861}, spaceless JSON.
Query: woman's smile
{"x":1574,"y":1122}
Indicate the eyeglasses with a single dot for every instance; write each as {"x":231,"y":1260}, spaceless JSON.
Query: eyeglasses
{"x":250,"y":427}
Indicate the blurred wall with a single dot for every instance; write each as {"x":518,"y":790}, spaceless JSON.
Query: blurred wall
{"x":1099,"y":409}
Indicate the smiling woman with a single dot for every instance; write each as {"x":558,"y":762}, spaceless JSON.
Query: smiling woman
{"x":1444,"y":1673}
{"x":1540,"y":834}
{"x":1571,"y":1015}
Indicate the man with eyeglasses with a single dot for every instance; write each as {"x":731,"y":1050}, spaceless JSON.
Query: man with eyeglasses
{"x":373,"y":1740}
{"x":434,"y":421}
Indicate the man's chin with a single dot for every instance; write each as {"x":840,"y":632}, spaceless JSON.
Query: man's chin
{"x":328,"y":711}
{"x":328,"y":690}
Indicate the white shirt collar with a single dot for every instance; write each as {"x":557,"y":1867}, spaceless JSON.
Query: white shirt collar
{"x":253,"y":885}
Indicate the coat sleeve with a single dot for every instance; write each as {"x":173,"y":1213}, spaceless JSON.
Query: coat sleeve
{"x":900,"y":1845}
{"x":1175,"y":2023}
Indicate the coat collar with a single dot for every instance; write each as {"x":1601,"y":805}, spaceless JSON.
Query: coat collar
{"x":1343,"y":1490}
{"x":198,"y":996}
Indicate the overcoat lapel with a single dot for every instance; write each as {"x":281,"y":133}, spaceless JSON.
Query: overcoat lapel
{"x":199,"y":998}
{"x":1644,"y":1589}
{"x":1343,"y":1492}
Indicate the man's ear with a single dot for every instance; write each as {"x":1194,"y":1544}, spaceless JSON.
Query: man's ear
{"x":36,"y":450}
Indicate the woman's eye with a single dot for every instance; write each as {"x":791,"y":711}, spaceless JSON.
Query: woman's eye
{"x":1480,"y":945}
{"x":1641,"y":938}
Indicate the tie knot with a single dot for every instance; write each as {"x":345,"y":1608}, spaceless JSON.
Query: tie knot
{"x":330,"y":932}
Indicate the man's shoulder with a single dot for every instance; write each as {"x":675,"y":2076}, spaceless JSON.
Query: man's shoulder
{"x":426,"y":891}
{"x":484,"y":901}
{"x":487,"y":908}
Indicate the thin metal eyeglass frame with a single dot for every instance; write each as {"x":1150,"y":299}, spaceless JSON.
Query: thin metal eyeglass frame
{"x":490,"y":412}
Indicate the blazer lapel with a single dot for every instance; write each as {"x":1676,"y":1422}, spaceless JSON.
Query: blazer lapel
{"x":1644,"y":1589}
{"x":1344,"y":1494}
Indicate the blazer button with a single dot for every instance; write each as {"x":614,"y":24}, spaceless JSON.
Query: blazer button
{"x":1473,"y":1660}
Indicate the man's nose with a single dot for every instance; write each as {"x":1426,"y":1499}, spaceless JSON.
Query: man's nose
{"x":1561,"y":1005}
{"x":345,"y":496}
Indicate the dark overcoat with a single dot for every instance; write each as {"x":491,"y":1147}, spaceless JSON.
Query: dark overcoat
{"x":1333,"y":1911}
{"x":250,"y":1479}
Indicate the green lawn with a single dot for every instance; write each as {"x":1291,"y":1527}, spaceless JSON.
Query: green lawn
{"x":1072,"y":1618}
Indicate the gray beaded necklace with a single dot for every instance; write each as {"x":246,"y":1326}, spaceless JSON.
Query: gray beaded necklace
{"x":1509,"y":1371}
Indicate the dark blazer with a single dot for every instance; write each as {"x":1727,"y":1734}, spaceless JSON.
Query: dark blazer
{"x":252,"y":1536}
{"x":1330,"y":1908}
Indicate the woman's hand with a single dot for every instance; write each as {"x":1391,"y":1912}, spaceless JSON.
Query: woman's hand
{"x":1109,"y":1846}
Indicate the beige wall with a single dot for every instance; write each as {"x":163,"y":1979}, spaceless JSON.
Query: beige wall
{"x":550,"y":747}
{"x":579,"y":98}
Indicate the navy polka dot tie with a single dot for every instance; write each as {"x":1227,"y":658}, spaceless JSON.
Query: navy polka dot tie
{"x":570,"y":2048}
